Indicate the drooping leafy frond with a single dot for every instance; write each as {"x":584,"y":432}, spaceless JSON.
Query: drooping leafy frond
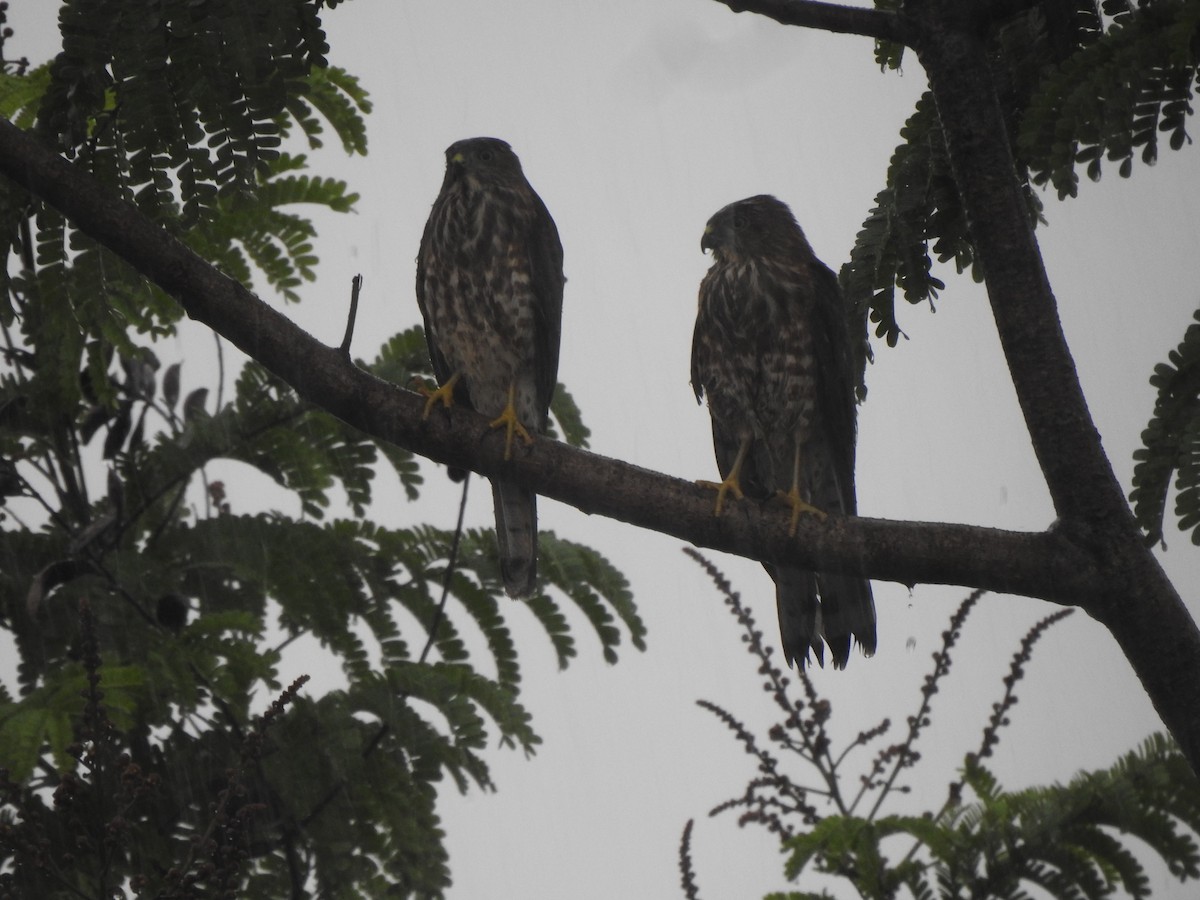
{"x":1078,"y":83}
{"x":1171,"y":442}
{"x":340,"y":100}
{"x":1113,"y":98}
{"x":892,"y":249}
{"x":181,"y":112}
{"x":303,"y":449}
{"x":585,"y":578}
{"x":366,"y":596}
{"x":594,"y":585}
{"x":265,"y":232}
{"x":199,"y":89}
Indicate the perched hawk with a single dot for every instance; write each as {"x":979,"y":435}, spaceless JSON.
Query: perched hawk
{"x":490,"y":286}
{"x":772,"y":351}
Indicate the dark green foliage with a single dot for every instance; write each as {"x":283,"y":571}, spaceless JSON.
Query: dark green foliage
{"x":139,"y":564}
{"x":1129,"y":81}
{"x":1084,"y":839}
{"x":1077,"y":84}
{"x":1072,"y":840}
{"x":1171,"y":442}
{"x":255,"y":232}
{"x":182,"y":101}
{"x":1112,"y":98}
{"x":597,"y":588}
{"x":107,"y":813}
{"x":181,"y":109}
{"x":919,"y":207}
{"x":239,"y":576}
{"x":1080,"y":83}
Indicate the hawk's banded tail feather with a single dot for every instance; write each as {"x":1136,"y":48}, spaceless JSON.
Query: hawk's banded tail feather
{"x":516,"y":532}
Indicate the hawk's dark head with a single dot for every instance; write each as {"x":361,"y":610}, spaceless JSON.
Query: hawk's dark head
{"x":755,"y":228}
{"x":482,"y":161}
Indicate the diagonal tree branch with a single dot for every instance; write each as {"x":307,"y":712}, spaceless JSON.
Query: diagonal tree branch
{"x":1141,"y":609}
{"x":876,"y":23}
{"x":908,"y":552}
{"x":1078,"y":474}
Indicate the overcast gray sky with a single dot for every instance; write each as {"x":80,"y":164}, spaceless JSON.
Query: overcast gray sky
{"x":636,"y":121}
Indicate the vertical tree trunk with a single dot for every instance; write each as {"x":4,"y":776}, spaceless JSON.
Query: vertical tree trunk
{"x":1138,"y":604}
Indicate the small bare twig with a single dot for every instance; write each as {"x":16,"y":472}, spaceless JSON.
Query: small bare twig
{"x":355,"y":287}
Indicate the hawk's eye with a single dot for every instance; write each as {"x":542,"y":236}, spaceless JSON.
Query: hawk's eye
{"x":486,"y":155}
{"x":739,"y":222}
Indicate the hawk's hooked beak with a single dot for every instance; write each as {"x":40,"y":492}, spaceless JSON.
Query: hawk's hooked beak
{"x":708,"y":241}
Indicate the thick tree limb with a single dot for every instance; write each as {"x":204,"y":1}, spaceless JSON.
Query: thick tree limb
{"x":908,"y":552}
{"x":879,"y":24}
{"x":1140,"y":606}
{"x":1081,"y":481}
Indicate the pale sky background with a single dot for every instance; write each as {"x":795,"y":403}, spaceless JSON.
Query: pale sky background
{"x":636,"y":121}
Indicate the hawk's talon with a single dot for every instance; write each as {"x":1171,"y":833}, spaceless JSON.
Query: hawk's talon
{"x":509,"y":421}
{"x":729,"y":486}
{"x":433,"y":396}
{"x":799,"y":505}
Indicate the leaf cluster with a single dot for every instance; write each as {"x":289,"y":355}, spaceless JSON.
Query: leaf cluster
{"x":105,"y":814}
{"x":1084,"y":839}
{"x":182,"y":110}
{"x":1079,"y":82}
{"x":187,"y":102}
{"x":1129,"y":81}
{"x":1171,"y":443}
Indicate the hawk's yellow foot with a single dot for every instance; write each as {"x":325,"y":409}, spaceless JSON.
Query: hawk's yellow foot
{"x":733,"y":481}
{"x":509,"y":421}
{"x":799,"y":505}
{"x":730,"y":485}
{"x":443,"y":395}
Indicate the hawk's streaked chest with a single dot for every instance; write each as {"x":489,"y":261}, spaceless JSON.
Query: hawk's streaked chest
{"x":477,"y":284}
{"x":753,"y":350}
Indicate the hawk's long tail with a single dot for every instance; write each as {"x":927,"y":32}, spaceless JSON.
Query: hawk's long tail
{"x":844,"y":615}
{"x":847,"y":606}
{"x":799,"y":614}
{"x":516,"y":532}
{"x":847,"y":615}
